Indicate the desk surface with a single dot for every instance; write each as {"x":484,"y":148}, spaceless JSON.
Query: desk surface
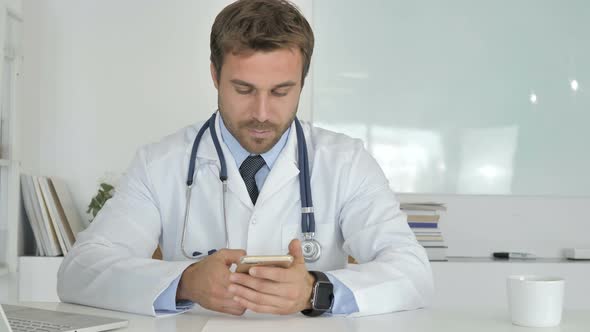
{"x":455,"y":320}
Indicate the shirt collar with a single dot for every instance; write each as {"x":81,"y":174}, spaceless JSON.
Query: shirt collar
{"x":240,"y":154}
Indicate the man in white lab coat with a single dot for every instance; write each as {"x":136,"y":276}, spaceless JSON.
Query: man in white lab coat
{"x":260,"y":54}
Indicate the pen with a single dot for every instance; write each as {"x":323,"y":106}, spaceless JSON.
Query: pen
{"x":518,"y":255}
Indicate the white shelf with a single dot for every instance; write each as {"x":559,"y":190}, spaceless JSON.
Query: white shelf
{"x":8,"y":289}
{"x":3,"y":269}
{"x":541,"y":260}
{"x":5,"y":162}
{"x":37,"y":278}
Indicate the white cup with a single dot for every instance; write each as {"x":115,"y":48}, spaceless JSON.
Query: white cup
{"x":535,"y":301}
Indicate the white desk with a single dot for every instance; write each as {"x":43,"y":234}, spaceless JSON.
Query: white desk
{"x":424,"y":320}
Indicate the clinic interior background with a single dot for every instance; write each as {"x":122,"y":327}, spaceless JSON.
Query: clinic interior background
{"x":482,"y":105}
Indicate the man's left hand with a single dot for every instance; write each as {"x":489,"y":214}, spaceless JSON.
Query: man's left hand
{"x":275,"y":290}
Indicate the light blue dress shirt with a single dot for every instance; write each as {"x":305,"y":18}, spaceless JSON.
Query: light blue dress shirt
{"x":344,"y":301}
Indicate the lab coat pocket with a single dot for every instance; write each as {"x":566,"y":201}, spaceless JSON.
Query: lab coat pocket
{"x":290,"y":232}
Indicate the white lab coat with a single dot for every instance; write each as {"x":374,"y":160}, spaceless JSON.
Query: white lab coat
{"x":356,"y":214}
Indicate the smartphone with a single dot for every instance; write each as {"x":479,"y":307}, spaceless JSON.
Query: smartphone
{"x":246,"y":262}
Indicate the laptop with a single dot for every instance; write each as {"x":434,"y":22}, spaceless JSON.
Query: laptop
{"x":17,"y":319}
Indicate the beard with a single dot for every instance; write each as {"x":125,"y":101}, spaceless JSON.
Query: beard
{"x":241,"y":131}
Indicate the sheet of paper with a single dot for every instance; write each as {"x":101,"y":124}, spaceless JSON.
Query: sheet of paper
{"x":261,"y":322}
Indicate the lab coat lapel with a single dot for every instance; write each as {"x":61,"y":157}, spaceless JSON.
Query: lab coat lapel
{"x":283,"y":171}
{"x":235,"y":183}
{"x":207,"y":154}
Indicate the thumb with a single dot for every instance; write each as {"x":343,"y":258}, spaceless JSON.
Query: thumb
{"x":296,"y":252}
{"x":230,"y":256}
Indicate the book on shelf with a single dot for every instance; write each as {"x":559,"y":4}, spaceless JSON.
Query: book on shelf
{"x":51,"y":242}
{"x":423,"y":218}
{"x":422,"y":225}
{"x":431,"y":242}
{"x":68,"y":206}
{"x":420,"y":212}
{"x":423,"y":206}
{"x":429,"y":238}
{"x":58,"y":217}
{"x":434,"y":244}
{"x":48,"y":208}
{"x":426,"y":231}
{"x":31,"y":213}
{"x":423,"y":222}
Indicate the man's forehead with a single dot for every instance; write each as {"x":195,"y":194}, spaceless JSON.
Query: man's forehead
{"x":269,"y":67}
{"x":237,"y":81}
{"x":281,"y":56}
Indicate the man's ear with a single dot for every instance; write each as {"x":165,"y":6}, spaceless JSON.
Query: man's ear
{"x":214,"y":76}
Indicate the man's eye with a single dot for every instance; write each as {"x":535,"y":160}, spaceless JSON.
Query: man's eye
{"x":280,"y":93}
{"x":244,"y":92}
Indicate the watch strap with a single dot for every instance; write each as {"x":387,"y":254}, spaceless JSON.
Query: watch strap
{"x":319,"y":277}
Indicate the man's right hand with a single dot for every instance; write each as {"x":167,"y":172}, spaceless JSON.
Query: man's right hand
{"x":206,"y":282}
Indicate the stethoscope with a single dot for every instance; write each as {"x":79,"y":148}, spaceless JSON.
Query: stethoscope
{"x":311,"y":248}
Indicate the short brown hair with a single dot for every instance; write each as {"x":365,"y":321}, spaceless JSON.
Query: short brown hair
{"x":260,"y":25}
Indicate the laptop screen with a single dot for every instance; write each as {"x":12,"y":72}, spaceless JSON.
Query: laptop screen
{"x":4,"y":327}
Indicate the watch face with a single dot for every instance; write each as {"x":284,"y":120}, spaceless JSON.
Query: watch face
{"x":324,"y":296}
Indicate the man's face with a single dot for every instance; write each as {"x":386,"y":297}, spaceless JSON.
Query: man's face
{"x":258,"y":95}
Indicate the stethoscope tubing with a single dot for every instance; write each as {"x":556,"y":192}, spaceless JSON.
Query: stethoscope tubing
{"x":307,"y":212}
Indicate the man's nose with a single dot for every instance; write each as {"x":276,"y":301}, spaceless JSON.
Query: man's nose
{"x":261,"y":109}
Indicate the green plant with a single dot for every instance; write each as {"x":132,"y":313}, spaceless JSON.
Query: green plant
{"x":105,"y":192}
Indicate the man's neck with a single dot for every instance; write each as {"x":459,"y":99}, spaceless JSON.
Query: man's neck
{"x":240,"y":153}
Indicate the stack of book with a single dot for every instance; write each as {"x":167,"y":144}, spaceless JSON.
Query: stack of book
{"x":423,"y":219}
{"x":52,"y":214}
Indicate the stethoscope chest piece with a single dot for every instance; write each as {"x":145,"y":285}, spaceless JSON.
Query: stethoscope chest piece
{"x":311,"y":248}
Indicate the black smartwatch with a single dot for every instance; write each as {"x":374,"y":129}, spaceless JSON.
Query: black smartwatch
{"x":322,"y":295}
